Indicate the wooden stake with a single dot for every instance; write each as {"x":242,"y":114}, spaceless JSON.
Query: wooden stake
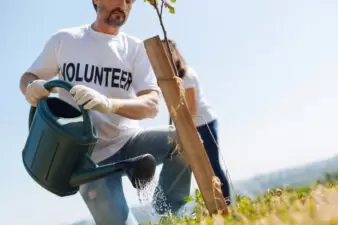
{"x":194,"y":152}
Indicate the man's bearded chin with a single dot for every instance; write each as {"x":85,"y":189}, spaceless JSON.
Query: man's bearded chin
{"x":116,"y":20}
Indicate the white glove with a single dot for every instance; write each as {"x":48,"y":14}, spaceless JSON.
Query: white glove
{"x":91,"y":99}
{"x":36,"y":90}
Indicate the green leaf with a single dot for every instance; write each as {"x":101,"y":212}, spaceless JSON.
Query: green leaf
{"x":173,"y":1}
{"x":172,"y":10}
{"x":189,"y":199}
{"x":170,"y":7}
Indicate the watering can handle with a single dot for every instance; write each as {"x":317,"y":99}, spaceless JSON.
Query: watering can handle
{"x":67,"y":86}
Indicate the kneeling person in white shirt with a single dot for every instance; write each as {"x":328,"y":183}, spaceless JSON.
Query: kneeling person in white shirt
{"x":112,"y":76}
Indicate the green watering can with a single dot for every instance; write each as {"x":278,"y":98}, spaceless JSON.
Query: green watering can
{"x":59,"y":145}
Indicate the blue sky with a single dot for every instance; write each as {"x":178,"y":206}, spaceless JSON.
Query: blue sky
{"x":268,"y":68}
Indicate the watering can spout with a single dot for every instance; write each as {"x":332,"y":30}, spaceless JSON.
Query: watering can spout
{"x":140,"y":170}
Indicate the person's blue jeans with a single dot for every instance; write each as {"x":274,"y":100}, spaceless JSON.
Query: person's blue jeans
{"x":209,"y":135}
{"x":105,"y":198}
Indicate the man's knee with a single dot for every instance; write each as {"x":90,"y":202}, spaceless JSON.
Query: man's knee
{"x":89,"y":190}
{"x":167,"y":137}
{"x":106,"y":202}
{"x":170,"y":134}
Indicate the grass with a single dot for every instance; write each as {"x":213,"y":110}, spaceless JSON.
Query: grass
{"x":315,"y":205}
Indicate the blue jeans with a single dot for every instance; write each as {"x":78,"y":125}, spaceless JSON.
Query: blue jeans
{"x":105,"y":198}
{"x":209,"y":135}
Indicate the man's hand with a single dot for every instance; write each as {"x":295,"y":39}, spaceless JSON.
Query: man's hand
{"x":36,"y":90}
{"x":91,"y":99}
{"x":144,"y":106}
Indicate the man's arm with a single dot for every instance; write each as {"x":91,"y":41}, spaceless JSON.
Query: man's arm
{"x":26,"y":78}
{"x":45,"y":66}
{"x":143,"y":107}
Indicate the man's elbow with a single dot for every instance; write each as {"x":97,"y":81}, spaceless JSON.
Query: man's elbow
{"x":147,"y":113}
{"x":153,"y":112}
{"x":25,"y":79}
{"x":152,"y":108}
{"x":150,"y":102}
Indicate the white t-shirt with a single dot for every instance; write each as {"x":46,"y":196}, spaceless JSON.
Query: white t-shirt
{"x":115,"y":65}
{"x":204,"y":113}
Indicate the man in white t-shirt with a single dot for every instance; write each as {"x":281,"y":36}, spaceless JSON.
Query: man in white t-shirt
{"x":112,"y":76}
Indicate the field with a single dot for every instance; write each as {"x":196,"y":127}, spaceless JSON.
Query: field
{"x":315,"y":205}
{"x":303,"y":204}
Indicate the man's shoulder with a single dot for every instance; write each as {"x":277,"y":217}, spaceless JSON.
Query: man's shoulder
{"x":131,"y":38}
{"x":133,"y":41}
{"x":73,"y":32}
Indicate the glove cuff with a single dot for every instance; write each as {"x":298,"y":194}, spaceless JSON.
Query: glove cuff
{"x":113,"y":105}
